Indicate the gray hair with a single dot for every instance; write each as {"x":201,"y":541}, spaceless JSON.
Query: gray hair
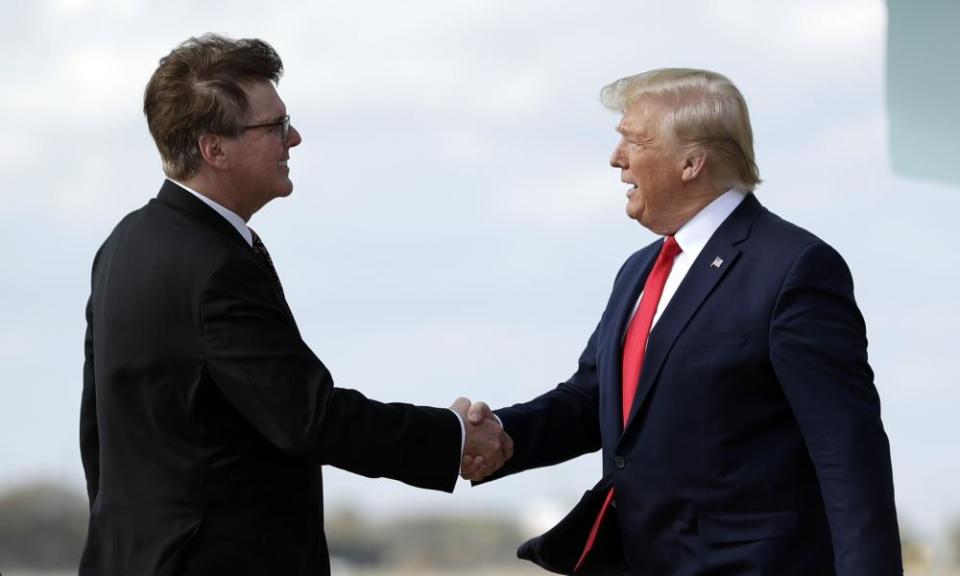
{"x":704,"y":110}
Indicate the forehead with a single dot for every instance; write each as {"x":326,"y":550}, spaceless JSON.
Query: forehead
{"x":641,"y":117}
{"x":263,"y":101}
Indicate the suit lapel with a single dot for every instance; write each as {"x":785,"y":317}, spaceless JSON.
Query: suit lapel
{"x":696,"y":286}
{"x":174,"y":195}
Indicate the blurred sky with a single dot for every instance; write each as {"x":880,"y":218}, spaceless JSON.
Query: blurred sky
{"x":455,"y":228}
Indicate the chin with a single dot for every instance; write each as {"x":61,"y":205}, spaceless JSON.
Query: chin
{"x":651,"y":226}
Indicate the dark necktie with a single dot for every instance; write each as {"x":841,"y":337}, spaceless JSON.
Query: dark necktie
{"x":264,"y":255}
{"x":634,"y":349}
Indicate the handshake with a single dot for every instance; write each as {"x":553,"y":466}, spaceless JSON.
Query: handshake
{"x":487,"y":446}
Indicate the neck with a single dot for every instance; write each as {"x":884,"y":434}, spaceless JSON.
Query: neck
{"x":219,"y":191}
{"x":698,"y":198}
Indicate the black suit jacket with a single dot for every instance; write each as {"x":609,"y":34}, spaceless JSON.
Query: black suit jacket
{"x":754,"y":444}
{"x":205,"y":418}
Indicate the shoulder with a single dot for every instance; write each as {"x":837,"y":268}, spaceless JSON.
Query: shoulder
{"x":803,"y":257}
{"x":777,"y":238}
{"x":169,"y":243}
{"x":782,"y":234}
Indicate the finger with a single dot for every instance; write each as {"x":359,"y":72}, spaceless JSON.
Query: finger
{"x":461,"y":405}
{"x":479,"y":462}
{"x":469,"y":468}
{"x":495,"y":463}
{"x":466,"y":462}
{"x":472,"y":473}
{"x":482,"y":470}
{"x":478,"y":412}
{"x":476,"y":476}
{"x":492,"y":460}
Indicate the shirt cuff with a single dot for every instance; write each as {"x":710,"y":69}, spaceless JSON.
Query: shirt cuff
{"x":463,"y":433}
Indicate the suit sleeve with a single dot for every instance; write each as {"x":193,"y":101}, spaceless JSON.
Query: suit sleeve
{"x":559,"y":425}
{"x":255,"y":355}
{"x":563,"y":423}
{"x":818,"y":348}
{"x":89,"y":431}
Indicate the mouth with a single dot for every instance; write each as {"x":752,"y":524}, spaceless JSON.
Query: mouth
{"x":631,"y":189}
{"x":283,"y":164}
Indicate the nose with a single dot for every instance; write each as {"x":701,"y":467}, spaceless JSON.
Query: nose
{"x":617,"y":158}
{"x":293,"y":137}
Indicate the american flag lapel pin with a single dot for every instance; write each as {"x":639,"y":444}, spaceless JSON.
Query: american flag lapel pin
{"x":717,"y":263}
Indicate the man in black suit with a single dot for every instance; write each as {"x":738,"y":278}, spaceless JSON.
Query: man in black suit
{"x":205,"y":418}
{"x":726,"y":382}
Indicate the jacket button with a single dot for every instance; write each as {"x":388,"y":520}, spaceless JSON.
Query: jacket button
{"x":619,"y":462}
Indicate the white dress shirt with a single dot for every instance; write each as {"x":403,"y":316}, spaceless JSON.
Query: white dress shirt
{"x":692,"y":237}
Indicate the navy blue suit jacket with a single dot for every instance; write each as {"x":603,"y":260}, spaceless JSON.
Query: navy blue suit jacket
{"x":754,"y":445}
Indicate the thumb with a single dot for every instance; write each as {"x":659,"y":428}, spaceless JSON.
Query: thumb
{"x":460,"y":405}
{"x":478,"y":412}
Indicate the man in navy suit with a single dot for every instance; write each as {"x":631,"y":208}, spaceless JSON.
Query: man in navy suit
{"x":727,"y":381}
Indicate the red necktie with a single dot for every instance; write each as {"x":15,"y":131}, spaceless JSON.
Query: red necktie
{"x":634,"y":348}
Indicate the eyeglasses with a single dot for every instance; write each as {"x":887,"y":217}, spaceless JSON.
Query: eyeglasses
{"x":283,"y":123}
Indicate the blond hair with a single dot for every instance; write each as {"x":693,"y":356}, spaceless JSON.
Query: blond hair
{"x":703,"y":110}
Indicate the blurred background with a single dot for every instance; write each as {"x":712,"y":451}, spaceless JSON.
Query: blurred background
{"x":455,"y":227}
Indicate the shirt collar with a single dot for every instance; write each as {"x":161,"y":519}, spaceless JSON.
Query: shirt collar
{"x":695,"y":234}
{"x":235,"y":220}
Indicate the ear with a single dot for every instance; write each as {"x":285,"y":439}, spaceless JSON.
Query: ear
{"x":694,"y":163}
{"x":213,"y":152}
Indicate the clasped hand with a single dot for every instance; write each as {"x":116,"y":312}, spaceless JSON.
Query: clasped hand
{"x":487,"y":445}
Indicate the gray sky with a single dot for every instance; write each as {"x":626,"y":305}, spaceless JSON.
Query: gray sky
{"x":455,"y":228}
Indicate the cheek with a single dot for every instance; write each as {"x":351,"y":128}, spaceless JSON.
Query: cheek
{"x":640,"y":168}
{"x":645,"y":183}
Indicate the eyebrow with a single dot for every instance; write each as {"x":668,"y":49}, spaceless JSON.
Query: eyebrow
{"x":638,"y":138}
{"x":271,"y":120}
